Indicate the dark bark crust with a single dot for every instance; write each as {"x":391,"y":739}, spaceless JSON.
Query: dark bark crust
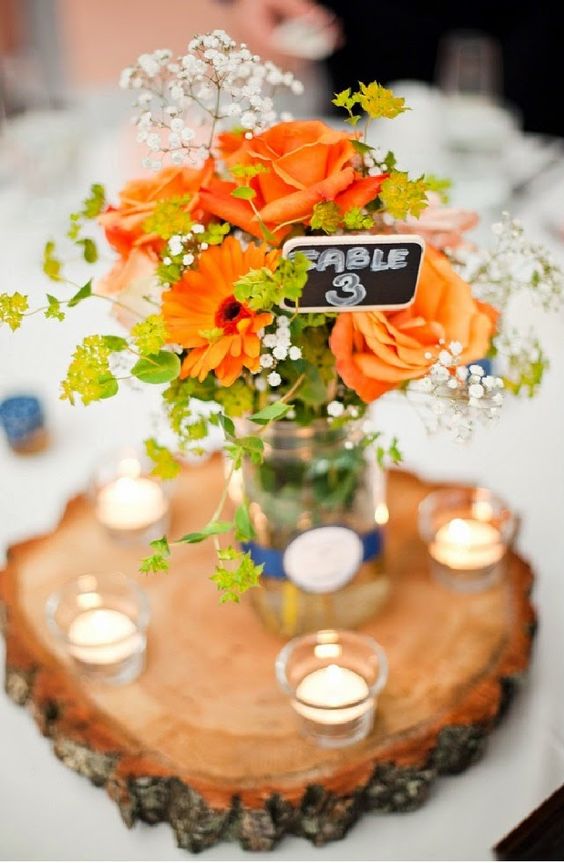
{"x":320,"y":817}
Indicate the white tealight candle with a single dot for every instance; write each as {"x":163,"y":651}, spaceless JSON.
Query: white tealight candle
{"x":103,"y":636}
{"x":332,"y":695}
{"x":467,"y":544}
{"x":130,"y":501}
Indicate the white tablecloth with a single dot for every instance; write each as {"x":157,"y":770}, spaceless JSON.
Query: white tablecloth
{"x":48,"y":812}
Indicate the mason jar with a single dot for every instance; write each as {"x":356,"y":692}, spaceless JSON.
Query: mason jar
{"x":317,"y":505}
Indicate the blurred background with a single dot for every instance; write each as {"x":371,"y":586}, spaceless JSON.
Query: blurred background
{"x":485,"y":83}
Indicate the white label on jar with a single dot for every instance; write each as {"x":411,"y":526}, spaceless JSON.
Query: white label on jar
{"x":324,"y":558}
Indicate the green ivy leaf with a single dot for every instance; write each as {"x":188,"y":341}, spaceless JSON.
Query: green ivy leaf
{"x":89,"y":250}
{"x":157,"y":368}
{"x":244,"y":192}
{"x":244,"y":530}
{"x":158,"y":562}
{"x":115,"y":343}
{"x":214,"y":528}
{"x":82,"y":294}
{"x":54,"y":309}
{"x":270,"y":413}
{"x":227,"y":425}
{"x":165,"y":466}
{"x":52,"y":266}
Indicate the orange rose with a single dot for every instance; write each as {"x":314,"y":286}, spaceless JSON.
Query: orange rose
{"x":125,"y":225}
{"x":130,"y":280}
{"x":305,"y":163}
{"x":376,"y":351}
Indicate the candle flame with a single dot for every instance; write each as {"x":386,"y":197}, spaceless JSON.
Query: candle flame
{"x":328,"y":651}
{"x":459,"y":532}
{"x":381,"y":515}
{"x":482,"y":510}
{"x":129,"y":467}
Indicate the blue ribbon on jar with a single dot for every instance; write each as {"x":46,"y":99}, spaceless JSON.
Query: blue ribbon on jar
{"x":273,"y":558}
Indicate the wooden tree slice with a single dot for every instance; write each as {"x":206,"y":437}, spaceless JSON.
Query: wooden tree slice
{"x":205,"y":740}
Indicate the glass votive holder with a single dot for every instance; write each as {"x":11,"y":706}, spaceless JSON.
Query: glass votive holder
{"x":101,"y":619}
{"x":333,"y":678}
{"x":467,"y":531}
{"x":129,"y":503}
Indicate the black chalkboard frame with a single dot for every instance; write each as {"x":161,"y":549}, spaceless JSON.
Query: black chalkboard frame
{"x":346,"y":241}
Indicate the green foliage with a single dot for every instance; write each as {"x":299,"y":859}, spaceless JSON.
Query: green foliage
{"x":250,"y":446}
{"x":236,"y":400}
{"x":356,"y":219}
{"x":165,"y":466}
{"x":440,"y":185}
{"x":215,"y":233}
{"x":525,"y":371}
{"x":159,"y":561}
{"x":317,"y":353}
{"x":248,"y":172}
{"x":375,"y":100}
{"x":244,"y":530}
{"x":246,"y":193}
{"x":12,"y":309}
{"x":54,"y":309}
{"x":82,"y":294}
{"x":261,"y":289}
{"x":390,"y":454}
{"x":401,"y":196}
{"x":159,"y":368}
{"x":52,"y":266}
{"x":213,"y":528}
{"x":326,"y":217}
{"x":115,"y":343}
{"x":170,"y":217}
{"x":270,"y":413}
{"x":149,"y":335}
{"x":238,"y":576}
{"x":89,"y":250}
{"x":89,"y":375}
{"x":91,"y":207}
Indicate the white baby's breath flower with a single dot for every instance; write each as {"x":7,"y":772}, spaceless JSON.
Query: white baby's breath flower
{"x":274,"y":379}
{"x":335,"y":409}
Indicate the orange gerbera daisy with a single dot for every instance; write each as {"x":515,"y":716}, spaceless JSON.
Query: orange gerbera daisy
{"x":203,"y":315}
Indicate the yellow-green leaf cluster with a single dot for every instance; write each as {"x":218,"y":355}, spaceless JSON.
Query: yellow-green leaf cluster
{"x":326,"y":217}
{"x":165,"y":466}
{"x":12,"y":309}
{"x":89,"y":375}
{"x":377,"y":101}
{"x":169,"y":217}
{"x":401,"y":196}
{"x":149,"y":335}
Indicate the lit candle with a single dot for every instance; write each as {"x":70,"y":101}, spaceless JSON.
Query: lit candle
{"x":130,"y":501}
{"x":332,"y":695}
{"x":103,"y":636}
{"x":467,"y":544}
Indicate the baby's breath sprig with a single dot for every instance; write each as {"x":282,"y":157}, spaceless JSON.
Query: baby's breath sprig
{"x":455,"y":396}
{"x":216,"y":80}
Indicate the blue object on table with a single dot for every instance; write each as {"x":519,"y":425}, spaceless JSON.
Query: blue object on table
{"x":273,"y":558}
{"x":21,"y":416}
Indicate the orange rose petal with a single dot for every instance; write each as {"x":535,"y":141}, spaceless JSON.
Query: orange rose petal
{"x":303,"y":167}
{"x":360,"y":193}
{"x":300,"y":204}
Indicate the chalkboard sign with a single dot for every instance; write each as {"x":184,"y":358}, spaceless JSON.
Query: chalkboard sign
{"x":358,"y":271}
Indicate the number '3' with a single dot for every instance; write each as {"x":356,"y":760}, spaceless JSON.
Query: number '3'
{"x":352,"y":288}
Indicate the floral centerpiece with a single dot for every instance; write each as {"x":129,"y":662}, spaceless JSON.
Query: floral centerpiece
{"x":211,"y":303}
